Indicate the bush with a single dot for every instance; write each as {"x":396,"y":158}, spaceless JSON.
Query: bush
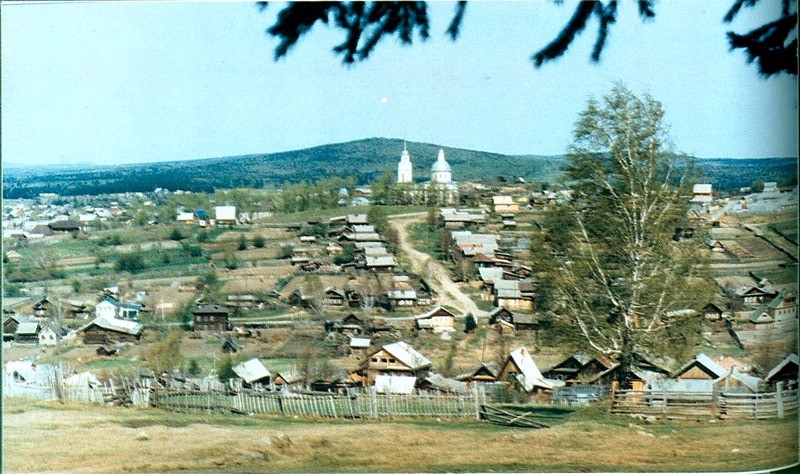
{"x":132,"y":262}
{"x":176,"y":234}
{"x":259,"y":242}
{"x":241,"y":243}
{"x":285,"y":251}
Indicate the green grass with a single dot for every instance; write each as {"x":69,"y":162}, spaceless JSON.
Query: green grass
{"x":111,"y":363}
{"x":788,"y":229}
{"x":323,"y":215}
{"x":425,"y":240}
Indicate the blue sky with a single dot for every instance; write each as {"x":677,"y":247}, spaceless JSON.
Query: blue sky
{"x":142,"y":81}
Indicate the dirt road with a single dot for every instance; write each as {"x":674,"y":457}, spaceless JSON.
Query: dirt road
{"x":434,"y":273}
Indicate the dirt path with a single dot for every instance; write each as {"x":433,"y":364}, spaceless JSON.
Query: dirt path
{"x":434,"y":273}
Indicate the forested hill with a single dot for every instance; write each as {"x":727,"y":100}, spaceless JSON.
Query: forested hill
{"x":364,"y":159}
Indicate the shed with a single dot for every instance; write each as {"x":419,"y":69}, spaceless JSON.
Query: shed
{"x":520,"y":367}
{"x":27,"y":333}
{"x":107,"y":331}
{"x":252,"y":371}
{"x":784,"y":371}
{"x":437,"y":320}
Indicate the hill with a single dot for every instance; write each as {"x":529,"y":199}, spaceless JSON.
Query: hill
{"x":364,"y":159}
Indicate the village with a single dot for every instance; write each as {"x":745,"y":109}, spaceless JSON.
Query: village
{"x":353,"y":303}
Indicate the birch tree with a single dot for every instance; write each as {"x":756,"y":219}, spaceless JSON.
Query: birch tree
{"x":609,"y":267}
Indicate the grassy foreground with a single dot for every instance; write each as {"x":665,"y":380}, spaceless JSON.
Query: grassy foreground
{"x":48,"y":437}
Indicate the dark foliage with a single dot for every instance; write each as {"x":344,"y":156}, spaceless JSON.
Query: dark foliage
{"x":773,"y":46}
{"x":365,"y":23}
{"x":365,"y":160}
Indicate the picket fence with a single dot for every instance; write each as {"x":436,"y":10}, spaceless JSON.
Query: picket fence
{"x":695,"y":405}
{"x":355,"y":404}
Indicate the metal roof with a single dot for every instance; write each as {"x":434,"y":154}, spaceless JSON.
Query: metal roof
{"x":407,"y":355}
{"x":251,"y":370}
{"x":530,"y":376}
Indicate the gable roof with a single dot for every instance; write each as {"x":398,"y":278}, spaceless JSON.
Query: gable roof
{"x":529,"y":376}
{"x":116,"y":325}
{"x":704,"y":361}
{"x":251,"y":370}
{"x":790,"y":359}
{"x":28,"y":328}
{"x":407,"y":355}
{"x":437,"y":311}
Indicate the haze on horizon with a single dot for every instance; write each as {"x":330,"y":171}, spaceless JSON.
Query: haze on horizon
{"x":135,"y":82}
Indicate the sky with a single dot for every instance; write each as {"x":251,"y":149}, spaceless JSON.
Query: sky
{"x":130,"y":82}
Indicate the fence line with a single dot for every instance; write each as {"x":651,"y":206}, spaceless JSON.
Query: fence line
{"x":356,"y":404}
{"x":665,"y":404}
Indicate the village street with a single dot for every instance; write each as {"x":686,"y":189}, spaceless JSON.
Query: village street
{"x":434,"y":273}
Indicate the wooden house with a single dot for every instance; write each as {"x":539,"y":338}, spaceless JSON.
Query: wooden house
{"x":568,"y":369}
{"x":398,"y":358}
{"x":487,"y":372}
{"x":504,"y":204}
{"x":108,"y":331}
{"x":211,"y":317}
{"x":65,"y":227}
{"x":514,"y":294}
{"x":519,"y":368}
{"x":712,"y":312}
{"x":334,"y":297}
{"x":752,"y":295}
{"x":381,"y":263}
{"x":10,"y":325}
{"x":27,"y":333}
{"x":252,"y":372}
{"x":41,"y":308}
{"x":402,"y":298}
{"x":288,"y":378}
{"x":359,"y":346}
{"x":698,"y":374}
{"x":230,"y":345}
{"x":785,"y":371}
{"x":640,"y":375}
{"x":350,"y":325}
{"x":437,"y":320}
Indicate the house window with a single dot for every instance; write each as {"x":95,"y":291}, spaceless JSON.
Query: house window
{"x":374,"y":359}
{"x":384,"y":360}
{"x":392,"y":360}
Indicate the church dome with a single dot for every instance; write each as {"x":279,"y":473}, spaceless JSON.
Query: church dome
{"x":440,"y":165}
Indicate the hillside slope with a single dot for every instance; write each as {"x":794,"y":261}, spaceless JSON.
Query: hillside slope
{"x":364,"y":159}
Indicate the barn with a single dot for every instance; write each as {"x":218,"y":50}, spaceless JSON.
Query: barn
{"x":107,"y":331}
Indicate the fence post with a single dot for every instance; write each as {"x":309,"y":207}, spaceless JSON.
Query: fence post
{"x":664,"y":407}
{"x":779,"y":399}
{"x":714,"y":400}
{"x":477,"y":401}
{"x":374,"y":402}
{"x":612,"y":394}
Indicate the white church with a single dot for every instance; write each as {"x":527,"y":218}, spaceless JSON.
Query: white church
{"x":441,"y":175}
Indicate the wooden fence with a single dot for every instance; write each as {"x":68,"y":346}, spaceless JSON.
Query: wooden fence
{"x":723,"y":405}
{"x":356,"y":404}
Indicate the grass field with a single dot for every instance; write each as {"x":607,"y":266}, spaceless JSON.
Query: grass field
{"x":69,"y":438}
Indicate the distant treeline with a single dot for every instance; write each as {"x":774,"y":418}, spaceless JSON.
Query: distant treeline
{"x":364,"y":160}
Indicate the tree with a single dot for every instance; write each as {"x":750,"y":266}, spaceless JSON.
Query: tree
{"x":241,"y":243}
{"x":259,"y":242}
{"x":613,"y":273}
{"x":166,"y":355}
{"x":470,"y":324}
{"x":758,"y":186}
{"x":773,"y":46}
{"x":132,"y":262}
{"x":224,"y":368}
